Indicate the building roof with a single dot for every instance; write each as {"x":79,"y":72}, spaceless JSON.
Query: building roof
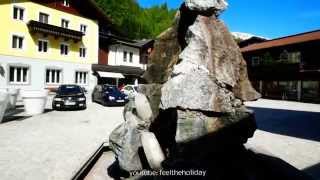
{"x":284,"y":41}
{"x":141,"y":44}
{"x":86,"y":8}
{"x":126,"y":70}
{"x":136,"y":44}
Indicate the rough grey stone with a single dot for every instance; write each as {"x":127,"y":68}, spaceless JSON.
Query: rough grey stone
{"x":194,"y":90}
{"x":212,"y":47}
{"x":208,"y":48}
{"x":125,"y":139}
{"x":197,"y":84}
{"x":153,"y":93}
{"x":229,"y":60}
{"x":243,"y":89}
{"x":143,"y":108}
{"x":209,"y":61}
{"x":206,"y":5}
{"x":164,"y":56}
{"x":125,"y":142}
{"x":193,"y":125}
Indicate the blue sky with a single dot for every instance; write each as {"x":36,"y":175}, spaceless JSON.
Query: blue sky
{"x":267,"y":18}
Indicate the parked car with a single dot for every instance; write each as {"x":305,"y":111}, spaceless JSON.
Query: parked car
{"x":69,"y":97}
{"x":109,"y":95}
{"x":130,"y":90}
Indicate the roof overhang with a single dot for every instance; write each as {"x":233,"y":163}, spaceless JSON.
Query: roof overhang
{"x":35,"y":26}
{"x":125,"y":70}
{"x":127,"y":42}
{"x":284,"y":41}
{"x":110,"y":75}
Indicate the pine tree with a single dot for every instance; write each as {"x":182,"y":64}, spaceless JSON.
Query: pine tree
{"x":137,"y":22}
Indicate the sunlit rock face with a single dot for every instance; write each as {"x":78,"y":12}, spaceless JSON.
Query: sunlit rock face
{"x":206,"y":5}
{"x":197,"y":82}
{"x":211,"y":72}
{"x":164,"y":56}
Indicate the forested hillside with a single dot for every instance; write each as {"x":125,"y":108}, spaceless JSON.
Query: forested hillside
{"x":137,"y":22}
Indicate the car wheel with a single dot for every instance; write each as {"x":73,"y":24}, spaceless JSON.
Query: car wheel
{"x":83,"y":108}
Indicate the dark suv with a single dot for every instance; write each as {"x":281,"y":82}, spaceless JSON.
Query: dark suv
{"x":109,"y":95}
{"x":69,"y":97}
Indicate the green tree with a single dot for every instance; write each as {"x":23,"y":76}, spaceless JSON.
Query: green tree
{"x":137,"y":22}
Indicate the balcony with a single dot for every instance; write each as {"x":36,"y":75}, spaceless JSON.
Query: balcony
{"x":56,"y":31}
{"x":306,"y":67}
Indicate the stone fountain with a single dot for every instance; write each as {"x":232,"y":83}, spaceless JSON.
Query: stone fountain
{"x":192,"y":101}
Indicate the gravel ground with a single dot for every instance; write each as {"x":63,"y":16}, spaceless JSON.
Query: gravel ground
{"x":290,"y":131}
{"x":54,"y":145}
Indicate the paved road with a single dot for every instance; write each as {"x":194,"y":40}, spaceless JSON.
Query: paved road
{"x":54,"y":145}
{"x":290,"y":131}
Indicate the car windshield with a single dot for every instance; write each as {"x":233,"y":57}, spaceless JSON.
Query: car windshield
{"x":110,"y":88}
{"x":113,"y":90}
{"x":68,"y":90}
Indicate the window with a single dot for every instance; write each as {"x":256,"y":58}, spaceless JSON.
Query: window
{"x":66,"y":3}
{"x":53,"y":76}
{"x":18,"y":75}
{"x":295,"y":57}
{"x":64,"y":23}
{"x":64,"y":49}
{"x":131,"y":57}
{"x":125,"y":54}
{"x":43,"y":46}
{"x":17,"y":42}
{"x":83,"y":52}
{"x":284,"y":56}
{"x":83,"y":28}
{"x":44,"y":18}
{"x":310,"y":91}
{"x":290,"y":57}
{"x":81,"y":77}
{"x":255,"y":61}
{"x":18,"y":13}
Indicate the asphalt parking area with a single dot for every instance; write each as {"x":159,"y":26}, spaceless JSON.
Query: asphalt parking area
{"x":290,"y":131}
{"x":56,"y":144}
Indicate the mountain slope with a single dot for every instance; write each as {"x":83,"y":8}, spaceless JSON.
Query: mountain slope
{"x":137,"y":22}
{"x":241,"y":36}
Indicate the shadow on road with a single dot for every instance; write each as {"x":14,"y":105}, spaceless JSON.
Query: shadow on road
{"x":18,"y":115}
{"x":297,"y":124}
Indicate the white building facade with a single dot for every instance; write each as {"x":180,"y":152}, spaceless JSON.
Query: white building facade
{"x":44,"y":45}
{"x":123,"y":55}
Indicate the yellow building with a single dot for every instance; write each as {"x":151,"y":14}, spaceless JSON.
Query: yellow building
{"x":45,"y":43}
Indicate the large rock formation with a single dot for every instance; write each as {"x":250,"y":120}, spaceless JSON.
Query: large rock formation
{"x":206,"y":5}
{"x":197,"y":83}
